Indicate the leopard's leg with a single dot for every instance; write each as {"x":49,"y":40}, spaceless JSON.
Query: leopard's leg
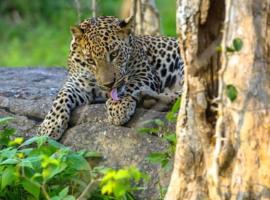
{"x":77,"y":90}
{"x":119,"y":112}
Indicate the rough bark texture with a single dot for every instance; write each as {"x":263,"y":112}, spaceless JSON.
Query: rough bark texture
{"x":223,"y":154}
{"x":248,"y":118}
{"x":146,"y":16}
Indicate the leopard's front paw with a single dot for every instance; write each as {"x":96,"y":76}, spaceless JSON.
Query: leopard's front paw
{"x":52,"y":128}
{"x":119,"y":112}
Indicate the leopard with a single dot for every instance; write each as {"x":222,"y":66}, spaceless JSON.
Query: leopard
{"x":109,"y":62}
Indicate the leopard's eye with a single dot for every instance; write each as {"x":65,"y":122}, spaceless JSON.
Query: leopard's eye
{"x":91,"y":62}
{"x":113,"y":55}
{"x":89,"y":59}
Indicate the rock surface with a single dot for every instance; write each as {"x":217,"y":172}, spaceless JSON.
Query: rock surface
{"x":27,"y":94}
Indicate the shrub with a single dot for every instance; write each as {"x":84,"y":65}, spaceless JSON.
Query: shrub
{"x":41,"y":168}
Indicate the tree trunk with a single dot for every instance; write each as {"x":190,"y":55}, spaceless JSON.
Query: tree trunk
{"x":94,"y":8}
{"x":223,"y":144}
{"x":146,"y":16}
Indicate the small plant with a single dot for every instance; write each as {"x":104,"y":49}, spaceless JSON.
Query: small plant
{"x":41,"y":168}
{"x":160,"y":128}
{"x":122,"y":183}
{"x":173,"y":113}
{"x":164,"y":158}
{"x":231,"y":92}
{"x":236,"y":46}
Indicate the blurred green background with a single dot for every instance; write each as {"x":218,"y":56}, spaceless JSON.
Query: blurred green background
{"x":36,"y":32}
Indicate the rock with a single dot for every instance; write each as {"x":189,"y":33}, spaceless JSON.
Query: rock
{"x":27,"y":95}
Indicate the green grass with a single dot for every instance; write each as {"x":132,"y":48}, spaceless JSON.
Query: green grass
{"x":41,"y":37}
{"x":167,"y":11}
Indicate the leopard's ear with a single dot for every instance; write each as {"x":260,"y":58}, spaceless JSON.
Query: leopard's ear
{"x":76,"y":31}
{"x":127,"y":24}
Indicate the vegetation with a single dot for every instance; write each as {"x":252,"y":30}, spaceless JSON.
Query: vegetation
{"x":36,"y":33}
{"x":41,"y":168}
{"x":160,"y":128}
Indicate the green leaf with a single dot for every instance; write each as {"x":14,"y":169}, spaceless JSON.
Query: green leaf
{"x":53,"y":170}
{"x":56,"y":144}
{"x":108,"y":188}
{"x":219,"y":48}
{"x":16,"y":141}
{"x":136,"y":174}
{"x":166,"y":165}
{"x":156,"y":157}
{"x":231,"y":92}
{"x":171,"y":117}
{"x":36,"y":176}
{"x":237,"y":44}
{"x":171,"y":138}
{"x":56,"y":198}
{"x":120,"y":182}
{"x":8,"y":132}
{"x":8,"y":176}
{"x":230,"y":49}
{"x":28,"y":162}
{"x":40,"y":140}
{"x":5,"y":136}
{"x":92,"y":154}
{"x":32,"y":187}
{"x":9,"y":161}
{"x":122,"y":174}
{"x":63,"y":192}
{"x":176,"y":106}
{"x":146,"y":130}
{"x":26,"y":151}
{"x":77,"y":162}
{"x":5,"y":120}
{"x":8,"y":152}
{"x":159,"y":122}
{"x":120,"y":189}
{"x":101,"y":169}
{"x":69,"y":197}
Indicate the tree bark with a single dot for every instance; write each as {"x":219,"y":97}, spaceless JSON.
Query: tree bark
{"x":146,"y":16}
{"x":223,"y":145}
{"x":94,"y":8}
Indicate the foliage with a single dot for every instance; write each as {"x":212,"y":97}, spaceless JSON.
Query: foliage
{"x":118,"y":182}
{"x":231,"y":92}
{"x":160,"y":128}
{"x":172,"y":115}
{"x":41,"y":168}
{"x":236,"y":45}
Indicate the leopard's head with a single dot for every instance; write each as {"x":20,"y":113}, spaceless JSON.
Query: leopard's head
{"x":103,"y":45}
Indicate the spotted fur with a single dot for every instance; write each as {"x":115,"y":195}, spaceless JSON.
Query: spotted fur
{"x":104,"y":56}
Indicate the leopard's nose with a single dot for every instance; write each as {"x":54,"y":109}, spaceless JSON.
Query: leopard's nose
{"x":109,"y":85}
